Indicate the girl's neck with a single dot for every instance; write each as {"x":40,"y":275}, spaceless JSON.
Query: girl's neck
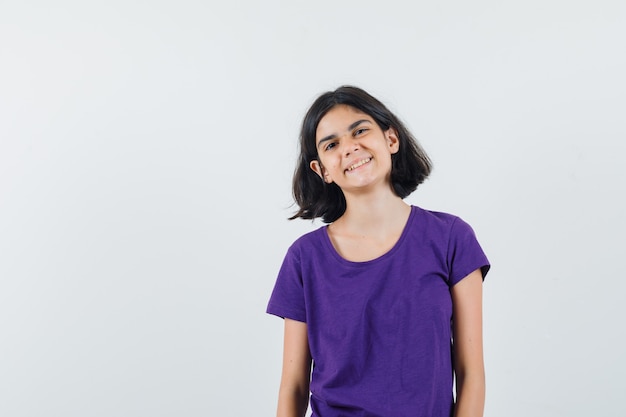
{"x":373,"y":213}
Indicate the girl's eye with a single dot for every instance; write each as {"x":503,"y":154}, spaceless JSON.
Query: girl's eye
{"x":360,"y":131}
{"x":330,"y":146}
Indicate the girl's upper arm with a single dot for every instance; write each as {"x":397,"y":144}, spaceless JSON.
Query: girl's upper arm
{"x":296,"y":355}
{"x":467,"y":323}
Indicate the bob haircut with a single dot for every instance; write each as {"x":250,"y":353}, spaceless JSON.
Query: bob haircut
{"x":410,"y":166}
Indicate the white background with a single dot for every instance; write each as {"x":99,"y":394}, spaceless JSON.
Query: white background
{"x":146,"y":153}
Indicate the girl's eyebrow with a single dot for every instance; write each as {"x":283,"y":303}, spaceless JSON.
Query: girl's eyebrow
{"x":333,"y":136}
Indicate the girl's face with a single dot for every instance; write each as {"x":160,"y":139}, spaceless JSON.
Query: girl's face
{"x":353,"y":151}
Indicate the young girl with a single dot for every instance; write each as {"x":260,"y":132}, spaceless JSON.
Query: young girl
{"x":383,"y":305}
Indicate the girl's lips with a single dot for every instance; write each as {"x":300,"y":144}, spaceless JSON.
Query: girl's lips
{"x":358,"y":164}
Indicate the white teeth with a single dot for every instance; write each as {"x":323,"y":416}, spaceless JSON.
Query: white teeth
{"x":358,"y":164}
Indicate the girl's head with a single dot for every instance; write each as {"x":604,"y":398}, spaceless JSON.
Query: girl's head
{"x":409,"y":165}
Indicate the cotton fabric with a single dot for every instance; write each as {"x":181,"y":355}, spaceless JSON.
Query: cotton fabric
{"x":380,"y":331}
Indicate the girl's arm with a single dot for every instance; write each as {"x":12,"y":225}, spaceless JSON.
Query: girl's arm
{"x":468,"y":346}
{"x":293,"y":396}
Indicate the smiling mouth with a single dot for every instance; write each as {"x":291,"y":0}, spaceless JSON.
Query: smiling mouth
{"x":358,"y":164}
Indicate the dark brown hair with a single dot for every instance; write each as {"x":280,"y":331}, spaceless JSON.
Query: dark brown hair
{"x":410,"y":166}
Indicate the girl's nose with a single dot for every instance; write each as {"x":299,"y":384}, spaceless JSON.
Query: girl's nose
{"x":351,"y":145}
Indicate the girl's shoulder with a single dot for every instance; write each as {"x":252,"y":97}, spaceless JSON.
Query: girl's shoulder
{"x":309,"y":240}
{"x":430,"y":222}
{"x":434,"y":217}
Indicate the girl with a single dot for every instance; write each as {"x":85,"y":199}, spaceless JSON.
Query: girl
{"x":382,"y":306}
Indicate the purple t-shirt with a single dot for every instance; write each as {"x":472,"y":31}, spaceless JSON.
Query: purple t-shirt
{"x":380,"y":331}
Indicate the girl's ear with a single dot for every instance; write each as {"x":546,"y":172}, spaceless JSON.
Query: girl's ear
{"x":391,"y":135}
{"x":320,"y":170}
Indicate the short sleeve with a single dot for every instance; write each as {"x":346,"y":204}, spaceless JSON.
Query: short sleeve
{"x":287,"y":299}
{"x":465,"y":254}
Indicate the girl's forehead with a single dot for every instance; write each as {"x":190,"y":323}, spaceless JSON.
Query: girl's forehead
{"x":338,"y":119}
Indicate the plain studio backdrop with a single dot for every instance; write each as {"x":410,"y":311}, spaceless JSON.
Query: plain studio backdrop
{"x":146,"y":154}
